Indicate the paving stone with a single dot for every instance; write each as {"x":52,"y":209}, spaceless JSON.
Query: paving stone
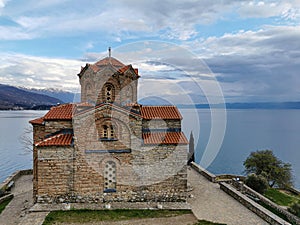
{"x":17,"y":211}
{"x":210,"y":203}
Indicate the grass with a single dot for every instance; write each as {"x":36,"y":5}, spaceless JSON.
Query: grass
{"x":85,"y":216}
{"x":204,"y":222}
{"x":279,"y":197}
{"x":4,"y":204}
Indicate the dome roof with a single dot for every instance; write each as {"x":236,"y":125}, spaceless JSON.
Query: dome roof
{"x":109,"y":60}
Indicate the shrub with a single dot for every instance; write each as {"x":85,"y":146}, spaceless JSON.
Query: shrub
{"x":2,"y":193}
{"x":295,"y":208}
{"x":257,"y":183}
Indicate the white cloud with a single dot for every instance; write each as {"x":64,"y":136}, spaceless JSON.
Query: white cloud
{"x":118,"y":18}
{"x":31,"y":23}
{"x":287,"y":10}
{"x":258,"y":65}
{"x":38,"y":72}
{"x":14,"y":33}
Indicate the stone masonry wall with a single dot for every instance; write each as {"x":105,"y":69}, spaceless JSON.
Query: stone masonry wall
{"x":159,"y":124}
{"x":53,"y":126}
{"x":92,"y":86}
{"x":55,"y":172}
{"x":147,"y":173}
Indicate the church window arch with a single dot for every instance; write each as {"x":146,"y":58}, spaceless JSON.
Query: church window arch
{"x":108,"y":93}
{"x":108,"y":131}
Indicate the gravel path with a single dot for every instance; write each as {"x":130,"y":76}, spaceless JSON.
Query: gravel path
{"x":209,"y":202}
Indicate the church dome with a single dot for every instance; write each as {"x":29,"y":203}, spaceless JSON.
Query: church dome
{"x":109,"y":60}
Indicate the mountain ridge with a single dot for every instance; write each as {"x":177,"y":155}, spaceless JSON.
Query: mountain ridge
{"x":13,"y":98}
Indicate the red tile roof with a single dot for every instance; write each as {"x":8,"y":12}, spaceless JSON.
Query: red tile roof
{"x":109,"y":60}
{"x":125,"y":68}
{"x":104,"y":62}
{"x":160,"y":112}
{"x":57,"y":140}
{"x":38,"y":121}
{"x":164,"y":138}
{"x":61,"y":112}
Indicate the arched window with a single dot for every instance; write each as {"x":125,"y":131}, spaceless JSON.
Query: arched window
{"x":110,"y":177}
{"x":107,"y":132}
{"x":108,"y":93}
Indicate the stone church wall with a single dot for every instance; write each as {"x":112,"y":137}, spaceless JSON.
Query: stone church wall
{"x":62,"y":180}
{"x":53,"y":126}
{"x":55,"y":172}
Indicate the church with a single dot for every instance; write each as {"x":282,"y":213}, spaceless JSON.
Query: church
{"x":108,"y":147}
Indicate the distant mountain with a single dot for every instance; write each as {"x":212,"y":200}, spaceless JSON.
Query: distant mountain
{"x":64,"y":96}
{"x":252,"y":105}
{"x":16,"y":98}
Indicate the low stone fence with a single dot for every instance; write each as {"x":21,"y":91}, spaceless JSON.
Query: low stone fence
{"x":252,"y":205}
{"x":229,"y":177}
{"x":5,"y":197}
{"x":233,"y":185}
{"x":14,"y":177}
{"x":293,"y":190}
{"x":209,"y":176}
{"x":254,"y":194}
{"x":216,"y":178}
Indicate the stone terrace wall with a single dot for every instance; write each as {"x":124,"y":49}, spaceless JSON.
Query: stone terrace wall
{"x":247,"y":190}
{"x":253,"y":206}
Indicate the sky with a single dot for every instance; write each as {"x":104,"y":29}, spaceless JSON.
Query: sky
{"x":242,"y":51}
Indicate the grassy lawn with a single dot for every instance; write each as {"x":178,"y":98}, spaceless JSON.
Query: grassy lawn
{"x":85,"y":216}
{"x":280,"y":198}
{"x":93,"y":216}
{"x":4,"y":204}
{"x":204,"y":222}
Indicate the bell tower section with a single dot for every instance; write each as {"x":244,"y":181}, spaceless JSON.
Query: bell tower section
{"x":108,"y":81}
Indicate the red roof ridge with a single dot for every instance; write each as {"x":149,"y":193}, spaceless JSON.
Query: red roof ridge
{"x":109,"y":60}
{"x":160,"y":112}
{"x":164,"y":138}
{"x":60,"y":139}
{"x":125,"y":68}
{"x":61,"y":112}
{"x":39,"y":121}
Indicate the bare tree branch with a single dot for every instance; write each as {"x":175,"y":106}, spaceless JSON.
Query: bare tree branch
{"x":26,"y":139}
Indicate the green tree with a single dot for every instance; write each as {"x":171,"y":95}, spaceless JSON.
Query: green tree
{"x":257,"y":183}
{"x":266,"y":164}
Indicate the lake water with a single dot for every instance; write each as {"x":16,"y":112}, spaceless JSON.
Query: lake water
{"x":13,"y":153}
{"x":246,"y":131}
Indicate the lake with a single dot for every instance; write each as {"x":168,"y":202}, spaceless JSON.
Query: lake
{"x":246,"y":131}
{"x":13,"y":153}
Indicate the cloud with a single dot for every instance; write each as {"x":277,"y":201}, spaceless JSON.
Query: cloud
{"x":287,"y":10}
{"x":39,"y":72}
{"x":129,"y":19}
{"x":259,"y":63}
{"x":257,"y":66}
